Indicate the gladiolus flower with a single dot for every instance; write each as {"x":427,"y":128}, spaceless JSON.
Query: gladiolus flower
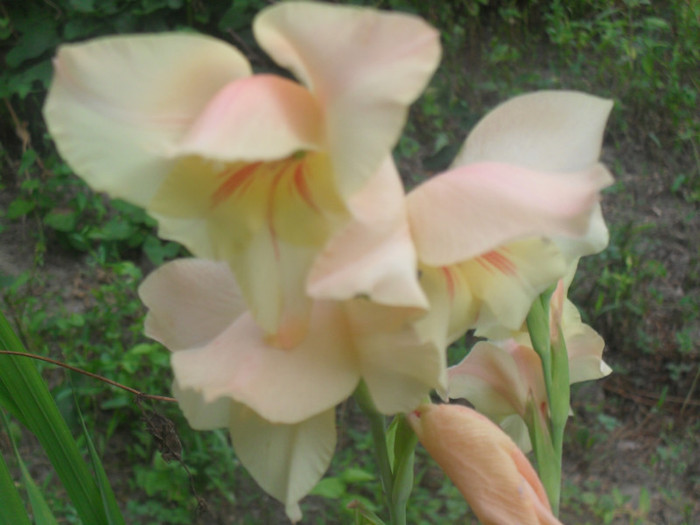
{"x":279,"y":403}
{"x":492,"y":474}
{"x":512,"y":215}
{"x":255,"y":170}
{"x":503,"y":379}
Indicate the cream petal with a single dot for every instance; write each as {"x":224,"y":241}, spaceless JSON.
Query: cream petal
{"x":472,"y":209}
{"x":593,"y":241}
{"x":373,"y":255}
{"x":118,"y":105}
{"x":200,"y":414}
{"x":516,"y":428}
{"x":282,"y":386}
{"x":286,"y":460}
{"x":398,"y":366}
{"x":556,"y":131}
{"x":453,"y":307}
{"x":364,"y":65}
{"x":190,"y":302}
{"x":261,"y":117}
{"x":585,"y":350}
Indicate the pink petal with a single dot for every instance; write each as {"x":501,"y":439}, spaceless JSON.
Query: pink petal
{"x":117,"y":105}
{"x":364,"y":65}
{"x":498,"y":379}
{"x":263,"y":117}
{"x":373,"y":255}
{"x":190,"y":302}
{"x":282,"y":386}
{"x":472,"y":209}
{"x":553,"y":131}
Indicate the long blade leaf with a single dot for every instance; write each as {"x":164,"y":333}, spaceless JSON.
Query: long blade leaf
{"x":40,"y":509}
{"x":34,"y":406}
{"x":12,"y":511}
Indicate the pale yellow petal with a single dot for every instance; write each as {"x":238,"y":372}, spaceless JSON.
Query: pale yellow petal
{"x":364,"y":65}
{"x":286,"y":460}
{"x":555,"y":131}
{"x":398,"y":366}
{"x":190,"y":302}
{"x":200,"y":414}
{"x":502,"y":285}
{"x":472,"y":209}
{"x":453,"y":307}
{"x":118,"y":105}
{"x":584,"y":346}
{"x":268,"y":220}
{"x":283,"y":386}
{"x":593,"y":241}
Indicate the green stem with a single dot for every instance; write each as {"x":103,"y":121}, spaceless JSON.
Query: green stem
{"x":378,"y":429}
{"x":546,"y":424}
{"x":547,"y":456}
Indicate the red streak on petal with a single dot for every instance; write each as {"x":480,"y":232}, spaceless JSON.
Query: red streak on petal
{"x":234,"y":181}
{"x":303,"y":188}
{"x":500,"y":262}
{"x":449,"y":281}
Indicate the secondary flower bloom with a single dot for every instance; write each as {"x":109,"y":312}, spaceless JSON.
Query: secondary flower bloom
{"x":492,"y":474}
{"x":256,"y":170}
{"x":502,"y":379}
{"x":513,"y":214}
{"x":279,"y":403}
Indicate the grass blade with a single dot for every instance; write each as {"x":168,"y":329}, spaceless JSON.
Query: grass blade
{"x":109,"y":501}
{"x":40,"y":509}
{"x":12,"y":511}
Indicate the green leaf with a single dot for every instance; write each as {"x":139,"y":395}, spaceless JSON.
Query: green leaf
{"x":363,"y":515}
{"x":63,"y":222}
{"x":331,"y":488}
{"x":21,"y":82}
{"x":36,"y":408}
{"x":356,"y":475}
{"x":83,"y":6}
{"x":34,"y":42}
{"x":19,"y":208}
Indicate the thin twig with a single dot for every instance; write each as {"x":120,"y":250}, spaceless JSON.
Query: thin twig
{"x":90,"y":374}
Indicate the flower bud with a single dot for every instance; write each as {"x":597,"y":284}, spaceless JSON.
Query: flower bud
{"x":493,"y":475}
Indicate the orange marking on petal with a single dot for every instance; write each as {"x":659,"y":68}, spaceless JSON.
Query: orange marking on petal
{"x":500,"y":262}
{"x":449,"y":281}
{"x":302,"y":186}
{"x":234,"y":181}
